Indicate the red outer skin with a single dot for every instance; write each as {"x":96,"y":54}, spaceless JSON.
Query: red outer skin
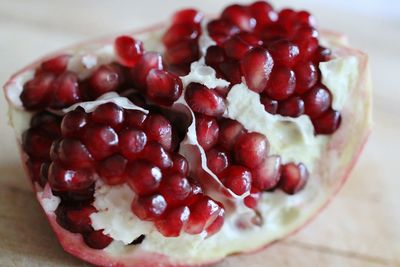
{"x":73,"y":243}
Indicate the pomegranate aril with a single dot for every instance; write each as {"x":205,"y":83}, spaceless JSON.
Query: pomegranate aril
{"x":273,"y":32}
{"x":236,"y":48}
{"x":97,"y":240}
{"x":270,"y":105}
{"x":65,"y":90}
{"x":36,"y":92}
{"x":263,"y":13}
{"x":159,"y":129}
{"x":203,"y":100}
{"x":180,"y":164}
{"x":37,"y":144}
{"x":287,"y":18}
{"x":73,"y":123}
{"x":78,"y":220}
{"x":215,"y":55}
{"x":149,"y":61}
{"x":55,"y":65}
{"x":149,"y":208}
{"x":281,"y":84}
{"x":229,"y":132}
{"x":47,"y":122}
{"x":108,"y":114}
{"x":237,"y":179}
{"x":202,"y":214}
{"x":175,"y":188}
{"x":251,"y":149}
{"x":327,"y":123}
{"x":304,"y":32}
{"x":128,"y":50}
{"x":217,"y":224}
{"x":231,"y":71}
{"x":220,"y":30}
{"x":157,"y":155}
{"x":256,"y":67}
{"x":249,"y":38}
{"x":306,"y":18}
{"x":112,"y":169}
{"x":293,"y":178}
{"x":207,"y":131}
{"x":134,"y":118}
{"x":307,"y":46}
{"x":182,"y":53}
{"x":163,"y":87}
{"x":322,"y":54}
{"x":251,"y":201}
{"x":132,"y":142}
{"x":34,"y":169}
{"x":306,"y":76}
{"x":143,"y":177}
{"x":266,"y":175}
{"x":102,"y":141}
{"x":66,"y":179}
{"x":217,"y":160}
{"x":317,"y":101}
{"x":292,"y":107}
{"x":173,"y":222}
{"x":180,"y":33}
{"x":73,"y":153}
{"x":195,"y":194}
{"x":105,"y":79}
{"x":285,"y":53}
{"x":187,"y":16}
{"x":239,"y":16}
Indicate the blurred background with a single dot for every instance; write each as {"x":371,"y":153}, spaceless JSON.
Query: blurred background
{"x":359,"y":228}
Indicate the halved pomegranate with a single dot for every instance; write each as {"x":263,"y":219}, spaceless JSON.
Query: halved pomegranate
{"x":232,"y":135}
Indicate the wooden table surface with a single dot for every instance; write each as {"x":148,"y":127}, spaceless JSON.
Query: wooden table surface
{"x":361,"y":227}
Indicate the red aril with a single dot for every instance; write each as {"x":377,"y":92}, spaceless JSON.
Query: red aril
{"x":128,"y":50}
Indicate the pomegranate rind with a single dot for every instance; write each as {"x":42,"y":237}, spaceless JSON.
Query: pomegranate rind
{"x":340,"y":157}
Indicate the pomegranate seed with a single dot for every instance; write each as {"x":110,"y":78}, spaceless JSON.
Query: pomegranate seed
{"x":131,"y":143}
{"x":305,"y":32}
{"x":182,"y":53}
{"x":180,"y":164}
{"x":307,"y":46}
{"x":156,"y":154}
{"x":175,"y":189}
{"x":231,"y":71}
{"x":37,"y":144}
{"x":292,"y":107}
{"x":149,"y":208}
{"x":112,"y":169}
{"x":215,"y":55}
{"x":237,"y":179}
{"x":257,"y":66}
{"x":266,"y":176}
{"x":55,"y":65}
{"x":304,"y":17}
{"x":102,"y":141}
{"x":272,"y":33}
{"x":105,"y":79}
{"x":217,"y":160}
{"x":306,"y":76}
{"x":328,"y":123}
{"x":76,"y":198}
{"x":217,"y":224}
{"x":202,"y":214}
{"x":204,"y":100}
{"x":249,"y":38}
{"x":73,"y":153}
{"x":143,"y":177}
{"x":285,"y":53}
{"x":180,"y":33}
{"x":128,"y":50}
{"x":34,"y":168}
{"x":229,"y":132}
{"x":293,"y":178}
{"x":270,"y":105}
{"x":134,"y":118}
{"x":239,"y":16}
{"x":159,"y":129}
{"x":47,"y":122}
{"x":173,"y":222}
{"x":322,"y":54}
{"x":207,"y":131}
{"x":97,"y":239}
{"x":78,"y":220}
{"x":149,"y":61}
{"x":281,"y":84}
{"x":287,"y":19}
{"x":73,"y":123}
{"x":263,"y":13}
{"x":187,"y":16}
{"x":36,"y":92}
{"x":251,"y":201}
{"x":317,"y":101}
{"x":65,"y":90}
{"x":251,"y":149}
{"x":64,"y":179}
{"x":236,"y":48}
{"x":163,"y":87}
{"x":108,"y":114}
{"x":196,"y":193}
{"x":220,"y":30}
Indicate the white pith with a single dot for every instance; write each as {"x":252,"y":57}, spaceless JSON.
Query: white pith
{"x":281,"y":213}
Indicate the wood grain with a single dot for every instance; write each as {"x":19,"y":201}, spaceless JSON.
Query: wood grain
{"x":359,"y":228}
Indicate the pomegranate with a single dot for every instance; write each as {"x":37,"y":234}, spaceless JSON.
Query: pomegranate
{"x":177,"y":146}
